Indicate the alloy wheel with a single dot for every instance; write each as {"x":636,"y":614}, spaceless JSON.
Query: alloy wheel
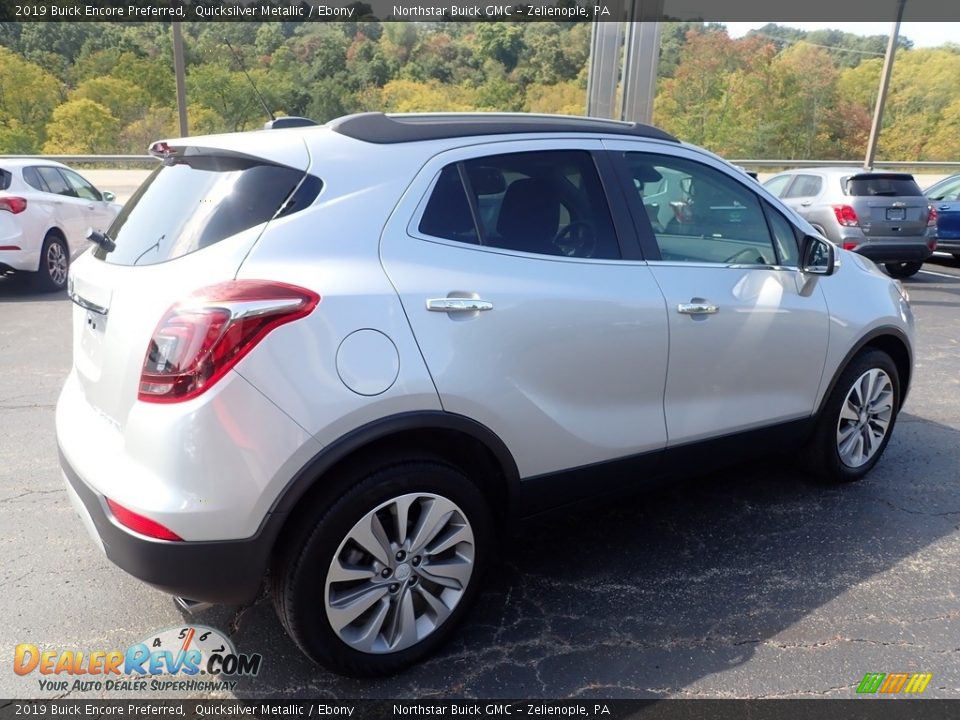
{"x":865,"y":417}
{"x":57,"y":263}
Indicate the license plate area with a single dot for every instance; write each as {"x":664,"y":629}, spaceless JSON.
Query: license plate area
{"x":896,"y":214}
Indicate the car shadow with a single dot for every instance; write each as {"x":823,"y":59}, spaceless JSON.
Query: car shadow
{"x":650,"y":595}
{"x":20,"y":287}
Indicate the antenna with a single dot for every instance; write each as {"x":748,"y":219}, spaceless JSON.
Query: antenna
{"x":263,"y":102}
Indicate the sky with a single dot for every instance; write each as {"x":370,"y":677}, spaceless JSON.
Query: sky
{"x":923,"y":34}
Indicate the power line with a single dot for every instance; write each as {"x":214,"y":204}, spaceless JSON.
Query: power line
{"x":825,"y":47}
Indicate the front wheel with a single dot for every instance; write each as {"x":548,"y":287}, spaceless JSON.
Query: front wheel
{"x":903,"y":269}
{"x":383,"y":576}
{"x":854,"y":426}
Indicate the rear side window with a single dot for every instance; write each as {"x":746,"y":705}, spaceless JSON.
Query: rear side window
{"x":889,"y":185}
{"x":805,"y":186}
{"x":4,"y":179}
{"x":32,"y":178}
{"x":548,"y":203}
{"x":55,"y":182}
{"x":778,"y":184}
{"x":199,"y":200}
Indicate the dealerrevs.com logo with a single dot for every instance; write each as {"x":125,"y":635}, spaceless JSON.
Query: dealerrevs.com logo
{"x":894,"y":683}
{"x":175,"y":659}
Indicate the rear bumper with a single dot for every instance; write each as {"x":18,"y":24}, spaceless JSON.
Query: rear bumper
{"x":883,"y":252}
{"x":212,"y":571}
{"x":26,"y":260}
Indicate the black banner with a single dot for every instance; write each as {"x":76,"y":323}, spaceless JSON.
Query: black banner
{"x":854,"y":709}
{"x":472,"y":11}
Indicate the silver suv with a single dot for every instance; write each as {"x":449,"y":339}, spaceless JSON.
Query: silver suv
{"x":883,"y":216}
{"x":348,"y":354}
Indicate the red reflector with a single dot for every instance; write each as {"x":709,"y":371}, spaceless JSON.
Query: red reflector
{"x":140,"y":524}
{"x":200,"y":338}
{"x":846,"y":215}
{"x":13,"y":204}
{"x":932,"y":244}
{"x":850,"y":246}
{"x":932,"y":216}
{"x":9,"y":247}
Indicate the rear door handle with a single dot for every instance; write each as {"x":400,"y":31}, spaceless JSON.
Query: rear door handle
{"x":456,"y":305}
{"x":807,"y":203}
{"x":698,"y":308}
{"x":944,"y":207}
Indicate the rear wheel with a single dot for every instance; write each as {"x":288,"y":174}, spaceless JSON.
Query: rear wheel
{"x":903,"y":269}
{"x":856,"y":421}
{"x":381,"y":577}
{"x":956,"y":256}
{"x":54,"y":263}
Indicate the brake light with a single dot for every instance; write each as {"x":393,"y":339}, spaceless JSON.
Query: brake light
{"x":200,"y":338}
{"x":846,"y":215}
{"x":140,"y":524}
{"x":932,"y":216}
{"x":15,"y":205}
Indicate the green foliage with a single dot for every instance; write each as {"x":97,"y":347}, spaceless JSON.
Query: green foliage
{"x":778,"y":92}
{"x":99,"y":129}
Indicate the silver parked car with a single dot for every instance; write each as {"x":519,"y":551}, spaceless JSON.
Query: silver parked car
{"x":345,"y":356}
{"x":883,"y":216}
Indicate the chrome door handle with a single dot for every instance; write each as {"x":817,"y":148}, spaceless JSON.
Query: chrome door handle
{"x":697,"y":308}
{"x":455,"y":304}
{"x":944,"y":207}
{"x":807,"y":203}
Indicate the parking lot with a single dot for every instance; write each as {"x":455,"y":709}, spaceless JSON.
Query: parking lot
{"x":751,"y":583}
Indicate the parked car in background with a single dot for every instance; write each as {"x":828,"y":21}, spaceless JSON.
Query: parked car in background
{"x":883,"y":216}
{"x":46,"y":209}
{"x":944,"y":196}
{"x":345,"y":356}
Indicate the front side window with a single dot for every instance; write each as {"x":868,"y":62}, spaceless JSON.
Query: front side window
{"x":81,"y":187}
{"x":548,"y":203}
{"x":948,"y":191}
{"x":705,"y":216}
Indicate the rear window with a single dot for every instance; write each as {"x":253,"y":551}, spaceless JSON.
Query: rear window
{"x":889,"y":185}
{"x":199,"y":200}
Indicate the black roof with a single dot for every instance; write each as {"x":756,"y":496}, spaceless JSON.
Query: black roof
{"x":375,"y":127}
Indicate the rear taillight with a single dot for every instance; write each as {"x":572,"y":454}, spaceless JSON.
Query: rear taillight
{"x":846,"y":215}
{"x":931,"y":216}
{"x":13,"y":204}
{"x":199,"y":339}
{"x":139,"y":523}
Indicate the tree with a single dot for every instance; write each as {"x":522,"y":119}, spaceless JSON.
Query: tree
{"x":125,"y":101}
{"x":99,"y":129}
{"x":28,"y":96}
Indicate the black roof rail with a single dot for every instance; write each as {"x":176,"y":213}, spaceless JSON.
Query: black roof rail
{"x":376,"y":127}
{"x":288,"y":121}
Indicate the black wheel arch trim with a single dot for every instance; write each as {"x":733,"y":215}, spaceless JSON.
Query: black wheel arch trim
{"x":384,"y":428}
{"x":870,"y":337}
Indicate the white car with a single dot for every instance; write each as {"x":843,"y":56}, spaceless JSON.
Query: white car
{"x":45,"y":211}
{"x":345,"y":356}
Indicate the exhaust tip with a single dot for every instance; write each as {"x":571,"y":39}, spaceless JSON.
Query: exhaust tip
{"x":191,"y":607}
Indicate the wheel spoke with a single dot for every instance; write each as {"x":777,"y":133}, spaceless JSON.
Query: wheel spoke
{"x":406,"y":623}
{"x":433,"y":518}
{"x":846,"y":432}
{"x":848,"y":411}
{"x":368,"y":634}
{"x":401,"y":514}
{"x":440,"y":610}
{"x":349,"y":573}
{"x":344,"y":610}
{"x":453,"y":537}
{"x":370,"y":535}
{"x":449,"y":573}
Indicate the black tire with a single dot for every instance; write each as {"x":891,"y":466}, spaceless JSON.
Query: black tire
{"x":956,"y":256}
{"x":903,"y":269}
{"x":300,"y":574}
{"x":51,"y":276}
{"x":822,"y":454}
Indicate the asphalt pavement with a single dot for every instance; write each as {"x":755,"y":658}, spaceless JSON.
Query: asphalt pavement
{"x":750,"y":583}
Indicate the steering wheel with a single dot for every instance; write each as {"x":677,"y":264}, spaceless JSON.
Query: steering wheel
{"x":747,"y":256}
{"x":576,"y":239}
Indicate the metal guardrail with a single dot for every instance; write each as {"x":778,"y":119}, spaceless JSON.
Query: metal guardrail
{"x":84,"y":159}
{"x":932,"y":164}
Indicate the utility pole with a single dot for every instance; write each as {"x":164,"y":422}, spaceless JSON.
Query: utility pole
{"x":884,"y":86}
{"x":179,"y":71}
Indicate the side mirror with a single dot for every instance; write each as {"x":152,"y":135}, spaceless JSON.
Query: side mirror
{"x":817,"y":256}
{"x":108,"y":196}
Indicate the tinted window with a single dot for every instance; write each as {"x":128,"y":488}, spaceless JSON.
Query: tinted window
{"x":778,"y":184}
{"x":883,"y":185}
{"x":699,"y":214}
{"x":784,"y":236}
{"x":948,"y":191}
{"x":55,"y":182}
{"x":198,"y":201}
{"x":81,"y":187}
{"x":549,"y":203}
{"x":805,"y":186}
{"x":33,"y":179}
